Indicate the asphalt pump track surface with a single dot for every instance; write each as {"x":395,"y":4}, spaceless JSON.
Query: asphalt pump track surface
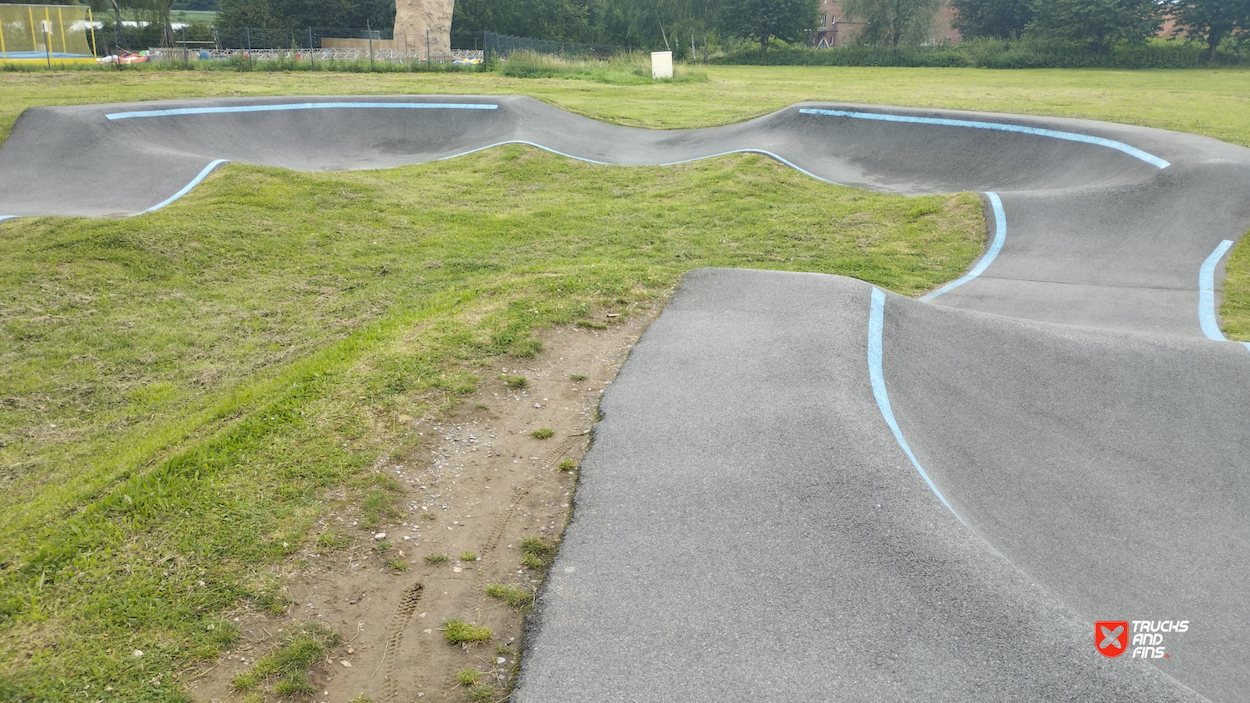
{"x":804,"y":488}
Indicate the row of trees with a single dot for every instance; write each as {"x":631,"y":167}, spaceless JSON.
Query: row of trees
{"x":671,"y":23}
{"x":682,"y":24}
{"x":1102,"y":23}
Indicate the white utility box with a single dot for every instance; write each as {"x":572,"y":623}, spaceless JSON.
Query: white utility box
{"x":661,"y":64}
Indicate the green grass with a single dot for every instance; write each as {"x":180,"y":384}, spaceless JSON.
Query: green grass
{"x":515,"y":382}
{"x":468,"y":676}
{"x":285,"y":671}
{"x":435,"y":558}
{"x":1235,"y":308}
{"x":512,"y":595}
{"x":468,"y":556}
{"x":1212,"y":102}
{"x":543,"y":433}
{"x":179,"y":391}
{"x":625,"y":69}
{"x":536,"y":552}
{"x":567,"y":465}
{"x":461,"y":632}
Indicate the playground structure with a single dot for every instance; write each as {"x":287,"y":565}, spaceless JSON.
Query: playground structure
{"x":46,"y":33}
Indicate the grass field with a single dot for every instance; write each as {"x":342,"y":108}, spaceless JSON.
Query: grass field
{"x":178,"y":391}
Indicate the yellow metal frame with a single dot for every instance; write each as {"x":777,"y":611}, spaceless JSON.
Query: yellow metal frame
{"x":91,"y":23}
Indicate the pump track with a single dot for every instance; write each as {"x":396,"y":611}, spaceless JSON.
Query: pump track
{"x":806,"y":489}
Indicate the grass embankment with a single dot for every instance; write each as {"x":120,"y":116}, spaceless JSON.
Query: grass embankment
{"x":179,"y":391}
{"x":1212,"y":102}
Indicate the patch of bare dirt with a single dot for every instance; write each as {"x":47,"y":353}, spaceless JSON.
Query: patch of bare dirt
{"x":477,"y":481}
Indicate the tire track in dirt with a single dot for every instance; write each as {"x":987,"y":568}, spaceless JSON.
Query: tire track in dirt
{"x":395,"y":636}
{"x":546,"y":463}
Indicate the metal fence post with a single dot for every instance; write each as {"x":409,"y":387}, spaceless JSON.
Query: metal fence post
{"x":186,"y":60}
{"x":312,"y":61}
{"x":249,"y":48}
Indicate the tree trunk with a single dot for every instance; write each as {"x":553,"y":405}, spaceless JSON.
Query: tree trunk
{"x":117,"y":20}
{"x":764,"y":45}
{"x":1213,"y":42}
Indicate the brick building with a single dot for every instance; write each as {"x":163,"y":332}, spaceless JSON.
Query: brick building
{"x":834,"y":28}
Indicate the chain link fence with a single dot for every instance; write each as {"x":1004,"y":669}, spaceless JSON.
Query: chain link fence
{"x":311,"y":43}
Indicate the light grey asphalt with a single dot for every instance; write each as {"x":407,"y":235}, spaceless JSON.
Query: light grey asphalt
{"x":747,"y":526}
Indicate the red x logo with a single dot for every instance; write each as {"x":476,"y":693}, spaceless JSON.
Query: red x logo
{"x":1111,"y":636}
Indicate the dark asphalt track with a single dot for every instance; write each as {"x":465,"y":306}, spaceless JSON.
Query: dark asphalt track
{"x":748,"y":525}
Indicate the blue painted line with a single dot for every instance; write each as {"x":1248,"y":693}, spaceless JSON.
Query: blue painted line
{"x":519,"y":141}
{"x":1206,"y":294}
{"x":876,"y":321}
{"x":769,"y":154}
{"x":1000,"y":236}
{"x":1000,"y":127}
{"x":185,"y":189}
{"x":298,"y":106}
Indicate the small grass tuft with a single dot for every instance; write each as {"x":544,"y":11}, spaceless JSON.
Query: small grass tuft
{"x":468,"y":556}
{"x":435,"y":558}
{"x":468,"y":676}
{"x":482,"y":694}
{"x":543,"y":433}
{"x":532,"y":562}
{"x":329,"y":541}
{"x":592,"y":324}
{"x":378,"y":506}
{"x":538,"y":546}
{"x":397,"y":563}
{"x":461,"y":632}
{"x":578,"y":377}
{"x":526,"y":348}
{"x":566,"y":465}
{"x":287,"y":667}
{"x":295,"y":683}
{"x":517,"y":382}
{"x":383,"y":547}
{"x":514,"y":596}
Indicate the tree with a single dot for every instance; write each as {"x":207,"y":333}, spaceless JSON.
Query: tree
{"x":590,"y":21}
{"x":893,"y":22}
{"x":1211,"y":21}
{"x":1101,"y":23}
{"x":993,"y":19}
{"x":763,"y":20}
{"x":297,"y":14}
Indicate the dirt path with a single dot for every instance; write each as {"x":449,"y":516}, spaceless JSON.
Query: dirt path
{"x":477,"y":481}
